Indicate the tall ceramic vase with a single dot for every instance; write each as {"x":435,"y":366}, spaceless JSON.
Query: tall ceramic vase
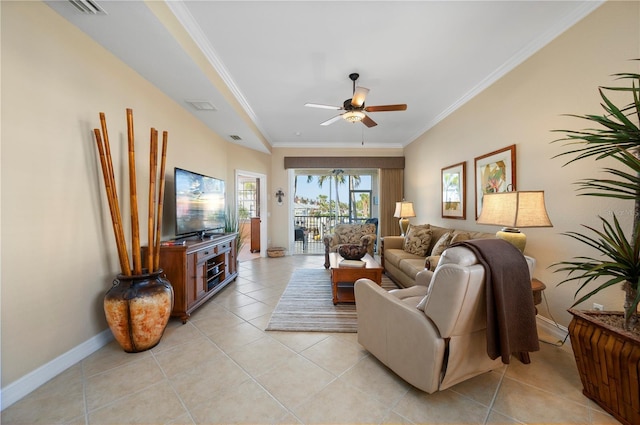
{"x":137,"y":309}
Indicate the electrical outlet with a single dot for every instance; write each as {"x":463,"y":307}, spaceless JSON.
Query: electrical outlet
{"x":598,"y":307}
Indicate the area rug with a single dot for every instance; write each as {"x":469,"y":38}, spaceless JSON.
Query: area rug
{"x":306,"y":305}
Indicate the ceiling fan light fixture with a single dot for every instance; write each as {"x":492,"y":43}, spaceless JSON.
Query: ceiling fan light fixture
{"x":359,"y":95}
{"x":353,"y":116}
{"x":354,"y":107}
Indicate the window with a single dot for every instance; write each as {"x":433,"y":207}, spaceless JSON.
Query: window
{"x":248,"y":199}
{"x":340,"y":196}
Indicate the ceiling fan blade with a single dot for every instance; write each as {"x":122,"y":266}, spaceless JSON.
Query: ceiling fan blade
{"x":319,"y":105}
{"x":331,"y":120}
{"x":368,"y":121}
{"x":384,"y":108}
{"x":359,"y":94}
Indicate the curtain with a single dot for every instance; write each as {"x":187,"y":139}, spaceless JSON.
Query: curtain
{"x":391,"y":191}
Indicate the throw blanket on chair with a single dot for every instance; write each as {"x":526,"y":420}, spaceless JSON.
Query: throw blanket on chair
{"x":511,"y":316}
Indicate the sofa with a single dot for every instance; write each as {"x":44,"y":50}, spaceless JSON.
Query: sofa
{"x":359,"y":234}
{"x":434,"y":334}
{"x":402,"y":257}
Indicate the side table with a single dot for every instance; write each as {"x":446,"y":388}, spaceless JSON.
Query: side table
{"x":537,"y":287}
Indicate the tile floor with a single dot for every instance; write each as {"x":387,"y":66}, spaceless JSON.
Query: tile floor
{"x":222,"y":368}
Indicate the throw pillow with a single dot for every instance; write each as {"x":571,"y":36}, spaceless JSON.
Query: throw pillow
{"x":418,"y":239}
{"x":442,"y":244}
{"x":460,"y":237}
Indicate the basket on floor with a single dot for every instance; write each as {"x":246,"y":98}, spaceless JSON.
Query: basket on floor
{"x":275,"y":252}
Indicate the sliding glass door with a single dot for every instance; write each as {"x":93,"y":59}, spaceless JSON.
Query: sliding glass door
{"x":325,"y":198}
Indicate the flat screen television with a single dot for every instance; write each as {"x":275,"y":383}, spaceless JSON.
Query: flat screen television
{"x":200,"y":203}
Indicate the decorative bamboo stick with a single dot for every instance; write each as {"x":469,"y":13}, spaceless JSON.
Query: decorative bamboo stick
{"x":135,"y":229}
{"x":107,"y":149}
{"x":156,"y":261}
{"x":114,"y":208}
{"x":154,"y":224}
{"x":153,"y":169}
{"x":112,"y":180}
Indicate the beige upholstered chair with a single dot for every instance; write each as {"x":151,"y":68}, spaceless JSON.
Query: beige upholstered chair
{"x":349,"y":234}
{"x":433,"y":335}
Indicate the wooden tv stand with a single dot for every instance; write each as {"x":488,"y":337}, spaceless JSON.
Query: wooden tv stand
{"x":197,"y":270}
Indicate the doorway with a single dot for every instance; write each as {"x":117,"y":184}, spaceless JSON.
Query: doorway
{"x":324,"y":198}
{"x":251,"y":199}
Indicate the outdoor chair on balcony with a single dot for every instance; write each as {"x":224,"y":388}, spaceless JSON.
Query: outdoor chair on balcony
{"x":349,"y":234}
{"x":300,"y":235}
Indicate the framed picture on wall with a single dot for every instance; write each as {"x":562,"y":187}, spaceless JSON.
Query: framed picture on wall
{"x":495,"y":172}
{"x":454,"y":204}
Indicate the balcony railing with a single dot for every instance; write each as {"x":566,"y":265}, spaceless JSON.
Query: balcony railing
{"x":319,"y":226}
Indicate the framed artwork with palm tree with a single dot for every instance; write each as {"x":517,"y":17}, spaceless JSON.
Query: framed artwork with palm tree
{"x":495,"y":172}
{"x":453,"y":193}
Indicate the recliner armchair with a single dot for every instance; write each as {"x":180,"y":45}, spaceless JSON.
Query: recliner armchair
{"x":349,"y":234}
{"x":433,"y":335}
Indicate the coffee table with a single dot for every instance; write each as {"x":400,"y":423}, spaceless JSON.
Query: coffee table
{"x":343,"y":278}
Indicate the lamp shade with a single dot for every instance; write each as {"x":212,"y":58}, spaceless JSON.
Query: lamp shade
{"x":514,"y":209}
{"x":404,"y":210}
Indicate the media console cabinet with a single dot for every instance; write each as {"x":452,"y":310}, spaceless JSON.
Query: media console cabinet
{"x":197,"y":270}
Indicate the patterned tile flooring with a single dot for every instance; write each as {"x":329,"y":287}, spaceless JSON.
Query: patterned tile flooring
{"x":223,"y":368}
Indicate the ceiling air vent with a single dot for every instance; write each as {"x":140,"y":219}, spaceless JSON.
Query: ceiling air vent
{"x":202,"y":105}
{"x":88,"y":7}
{"x":235,"y":137}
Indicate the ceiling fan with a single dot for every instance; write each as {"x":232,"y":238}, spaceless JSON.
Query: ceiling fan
{"x":355,"y":107}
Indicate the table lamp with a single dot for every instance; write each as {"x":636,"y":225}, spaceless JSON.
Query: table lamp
{"x":514,"y":210}
{"x":404,"y":210}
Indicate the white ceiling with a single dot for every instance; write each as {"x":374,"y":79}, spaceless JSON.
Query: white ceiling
{"x":263,"y":60}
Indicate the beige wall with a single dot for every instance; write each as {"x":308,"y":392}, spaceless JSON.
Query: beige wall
{"x":58,"y":249}
{"x":522,"y":108}
{"x":280,"y":218}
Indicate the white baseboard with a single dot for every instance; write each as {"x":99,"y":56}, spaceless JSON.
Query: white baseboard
{"x":553,"y":331}
{"x":23,"y":386}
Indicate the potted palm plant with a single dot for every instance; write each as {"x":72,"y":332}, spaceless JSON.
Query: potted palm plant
{"x":232,"y":225}
{"x":607,"y":352}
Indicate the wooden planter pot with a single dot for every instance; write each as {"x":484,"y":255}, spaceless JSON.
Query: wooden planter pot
{"x":608,"y":362}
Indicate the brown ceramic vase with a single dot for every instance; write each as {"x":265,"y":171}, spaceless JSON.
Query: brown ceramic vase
{"x":137,"y":309}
